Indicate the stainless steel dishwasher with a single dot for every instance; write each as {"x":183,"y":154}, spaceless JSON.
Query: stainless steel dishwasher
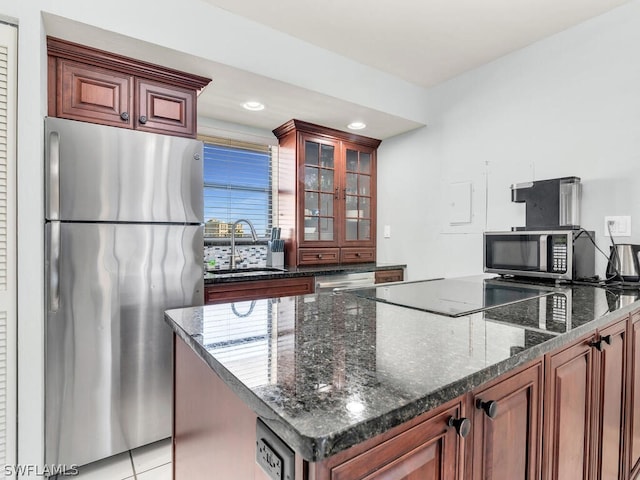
{"x":327,"y":283}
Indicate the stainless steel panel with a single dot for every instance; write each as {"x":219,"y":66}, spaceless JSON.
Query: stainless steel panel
{"x":108,"y":350}
{"x":99,"y":173}
{"x":327,"y":283}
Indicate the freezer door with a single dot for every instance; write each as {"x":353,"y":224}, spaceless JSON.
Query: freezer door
{"x":108,"y":349}
{"x":99,"y":173}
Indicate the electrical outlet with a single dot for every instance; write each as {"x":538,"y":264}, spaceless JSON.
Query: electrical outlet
{"x":620,"y":226}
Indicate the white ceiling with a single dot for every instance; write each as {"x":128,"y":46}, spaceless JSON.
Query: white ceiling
{"x":421,"y":41}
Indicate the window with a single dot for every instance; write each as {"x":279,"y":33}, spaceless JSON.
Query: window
{"x":238,"y":183}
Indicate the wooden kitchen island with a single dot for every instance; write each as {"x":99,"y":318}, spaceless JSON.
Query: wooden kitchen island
{"x":350,"y":388}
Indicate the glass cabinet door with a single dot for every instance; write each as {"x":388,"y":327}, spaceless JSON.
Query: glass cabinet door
{"x":358,"y":195}
{"x":320,"y":190}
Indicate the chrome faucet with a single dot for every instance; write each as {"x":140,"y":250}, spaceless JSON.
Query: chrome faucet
{"x":234,"y":254}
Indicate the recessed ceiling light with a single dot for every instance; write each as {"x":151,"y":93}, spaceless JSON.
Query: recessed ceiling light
{"x":253,"y":106}
{"x":356,"y":125}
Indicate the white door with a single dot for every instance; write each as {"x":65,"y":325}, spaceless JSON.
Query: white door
{"x":8,"y":255}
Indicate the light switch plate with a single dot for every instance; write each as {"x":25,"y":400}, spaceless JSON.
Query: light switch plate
{"x":387,"y":231}
{"x":620,"y":226}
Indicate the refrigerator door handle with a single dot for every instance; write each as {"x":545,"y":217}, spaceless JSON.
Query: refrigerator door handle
{"x":54,"y":266}
{"x":53,"y":178}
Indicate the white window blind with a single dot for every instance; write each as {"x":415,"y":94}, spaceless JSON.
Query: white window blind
{"x":8,"y":293}
{"x":238,"y":184}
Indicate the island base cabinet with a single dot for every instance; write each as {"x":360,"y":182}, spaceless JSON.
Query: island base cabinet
{"x":609,"y":442}
{"x":429,"y":449}
{"x":585,"y":404}
{"x":214,"y":432}
{"x":633,"y":422}
{"x":507,"y":424}
{"x":568,"y":413}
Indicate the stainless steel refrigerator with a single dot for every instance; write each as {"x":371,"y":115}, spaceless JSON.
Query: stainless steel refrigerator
{"x":123,"y":237}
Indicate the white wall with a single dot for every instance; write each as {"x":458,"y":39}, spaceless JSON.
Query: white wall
{"x":567,"y":105}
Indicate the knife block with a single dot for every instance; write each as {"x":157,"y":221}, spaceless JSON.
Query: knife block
{"x":275,"y":259}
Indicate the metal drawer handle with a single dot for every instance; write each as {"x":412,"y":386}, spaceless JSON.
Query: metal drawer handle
{"x":490,"y":408}
{"x":598,"y":343}
{"x":462,"y":425}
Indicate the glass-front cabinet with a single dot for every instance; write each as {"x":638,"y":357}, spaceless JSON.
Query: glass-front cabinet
{"x":335,"y":199}
{"x":358,"y":195}
{"x":320,"y":191}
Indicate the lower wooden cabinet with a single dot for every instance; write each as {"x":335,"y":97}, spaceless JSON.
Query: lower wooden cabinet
{"x":430,"y":449}
{"x":255,"y":289}
{"x":507,"y":427}
{"x":611,"y":402}
{"x":633,"y":405}
{"x":387,"y":276}
{"x":585,"y":407}
{"x":589,"y":392}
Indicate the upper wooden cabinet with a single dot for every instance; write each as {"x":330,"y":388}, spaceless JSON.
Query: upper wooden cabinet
{"x":327,"y":194}
{"x":100,"y":87}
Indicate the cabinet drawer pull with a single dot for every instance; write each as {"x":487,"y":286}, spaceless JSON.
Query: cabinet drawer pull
{"x":490,"y":408}
{"x":125,"y":116}
{"x":462,"y":425}
{"x":319,"y":255}
{"x":143,"y":120}
{"x":598,"y":343}
{"x":358,"y":254}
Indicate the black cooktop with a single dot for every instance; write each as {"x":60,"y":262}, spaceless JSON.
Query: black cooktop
{"x":454,"y":297}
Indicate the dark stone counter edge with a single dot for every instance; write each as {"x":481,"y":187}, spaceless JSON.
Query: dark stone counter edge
{"x":315,"y":449}
{"x":211,"y":278}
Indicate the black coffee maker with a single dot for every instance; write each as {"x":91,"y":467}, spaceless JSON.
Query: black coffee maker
{"x":550,"y":204}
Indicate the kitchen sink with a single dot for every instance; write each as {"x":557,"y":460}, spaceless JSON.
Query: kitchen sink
{"x":249,"y":271}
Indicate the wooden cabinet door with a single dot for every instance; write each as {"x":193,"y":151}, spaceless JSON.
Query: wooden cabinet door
{"x":387,"y":276}
{"x":507,"y":446}
{"x":92,"y":94}
{"x":165,"y":109}
{"x":609,"y":442}
{"x":568,"y":412}
{"x":358,"y":206}
{"x":428,"y":451}
{"x":320,"y":195}
{"x":257,"y":289}
{"x":633,"y":423}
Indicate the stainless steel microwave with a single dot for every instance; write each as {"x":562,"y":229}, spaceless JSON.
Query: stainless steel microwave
{"x":554,"y":254}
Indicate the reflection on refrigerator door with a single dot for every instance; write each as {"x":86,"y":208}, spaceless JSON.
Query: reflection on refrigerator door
{"x":108,"y":370}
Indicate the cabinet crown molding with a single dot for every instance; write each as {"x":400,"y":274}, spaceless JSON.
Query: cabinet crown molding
{"x":307,"y":127}
{"x":57,"y":47}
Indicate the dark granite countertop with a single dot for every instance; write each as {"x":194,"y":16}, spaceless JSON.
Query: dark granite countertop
{"x":328,"y":371}
{"x":246,"y":274}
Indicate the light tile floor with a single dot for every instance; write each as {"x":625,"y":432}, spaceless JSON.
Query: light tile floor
{"x":149,"y":462}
